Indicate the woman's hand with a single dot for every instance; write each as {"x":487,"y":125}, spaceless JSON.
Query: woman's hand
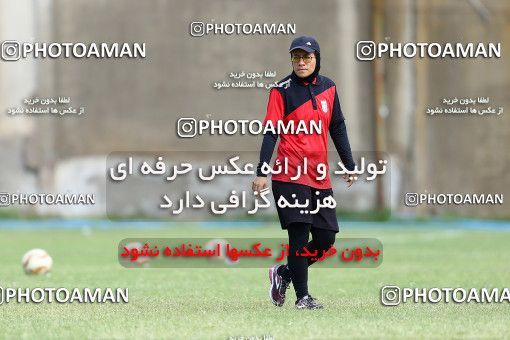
{"x":348,"y":179}
{"x":259,"y":183}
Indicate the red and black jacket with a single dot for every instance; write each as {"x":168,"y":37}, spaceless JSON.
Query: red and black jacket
{"x":295,"y":99}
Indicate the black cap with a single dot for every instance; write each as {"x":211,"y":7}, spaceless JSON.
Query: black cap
{"x":306,"y":43}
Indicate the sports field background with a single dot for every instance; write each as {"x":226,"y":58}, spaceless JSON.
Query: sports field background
{"x":219,"y":303}
{"x":135,"y":105}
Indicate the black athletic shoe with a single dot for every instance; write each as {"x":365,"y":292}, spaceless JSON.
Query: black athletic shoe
{"x":308,"y":302}
{"x":278,"y":286}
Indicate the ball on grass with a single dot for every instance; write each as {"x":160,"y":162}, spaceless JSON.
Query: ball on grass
{"x":37,"y":261}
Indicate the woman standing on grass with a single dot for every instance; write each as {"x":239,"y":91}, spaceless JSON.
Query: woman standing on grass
{"x":305,"y":96}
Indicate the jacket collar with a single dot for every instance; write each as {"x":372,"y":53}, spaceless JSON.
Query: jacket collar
{"x":315,"y":82}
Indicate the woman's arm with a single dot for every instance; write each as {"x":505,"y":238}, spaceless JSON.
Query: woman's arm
{"x":338,"y":132}
{"x":266,"y":151}
{"x":275,"y":110}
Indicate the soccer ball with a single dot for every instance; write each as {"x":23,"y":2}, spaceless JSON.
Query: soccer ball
{"x":36,"y":261}
{"x":143,"y":261}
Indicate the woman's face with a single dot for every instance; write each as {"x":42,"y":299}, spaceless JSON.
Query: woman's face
{"x":303,"y":63}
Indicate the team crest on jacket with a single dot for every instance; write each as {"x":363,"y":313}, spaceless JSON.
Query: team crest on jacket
{"x":324,"y":105}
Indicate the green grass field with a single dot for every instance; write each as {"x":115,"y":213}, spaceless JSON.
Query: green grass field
{"x":220,"y":303}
